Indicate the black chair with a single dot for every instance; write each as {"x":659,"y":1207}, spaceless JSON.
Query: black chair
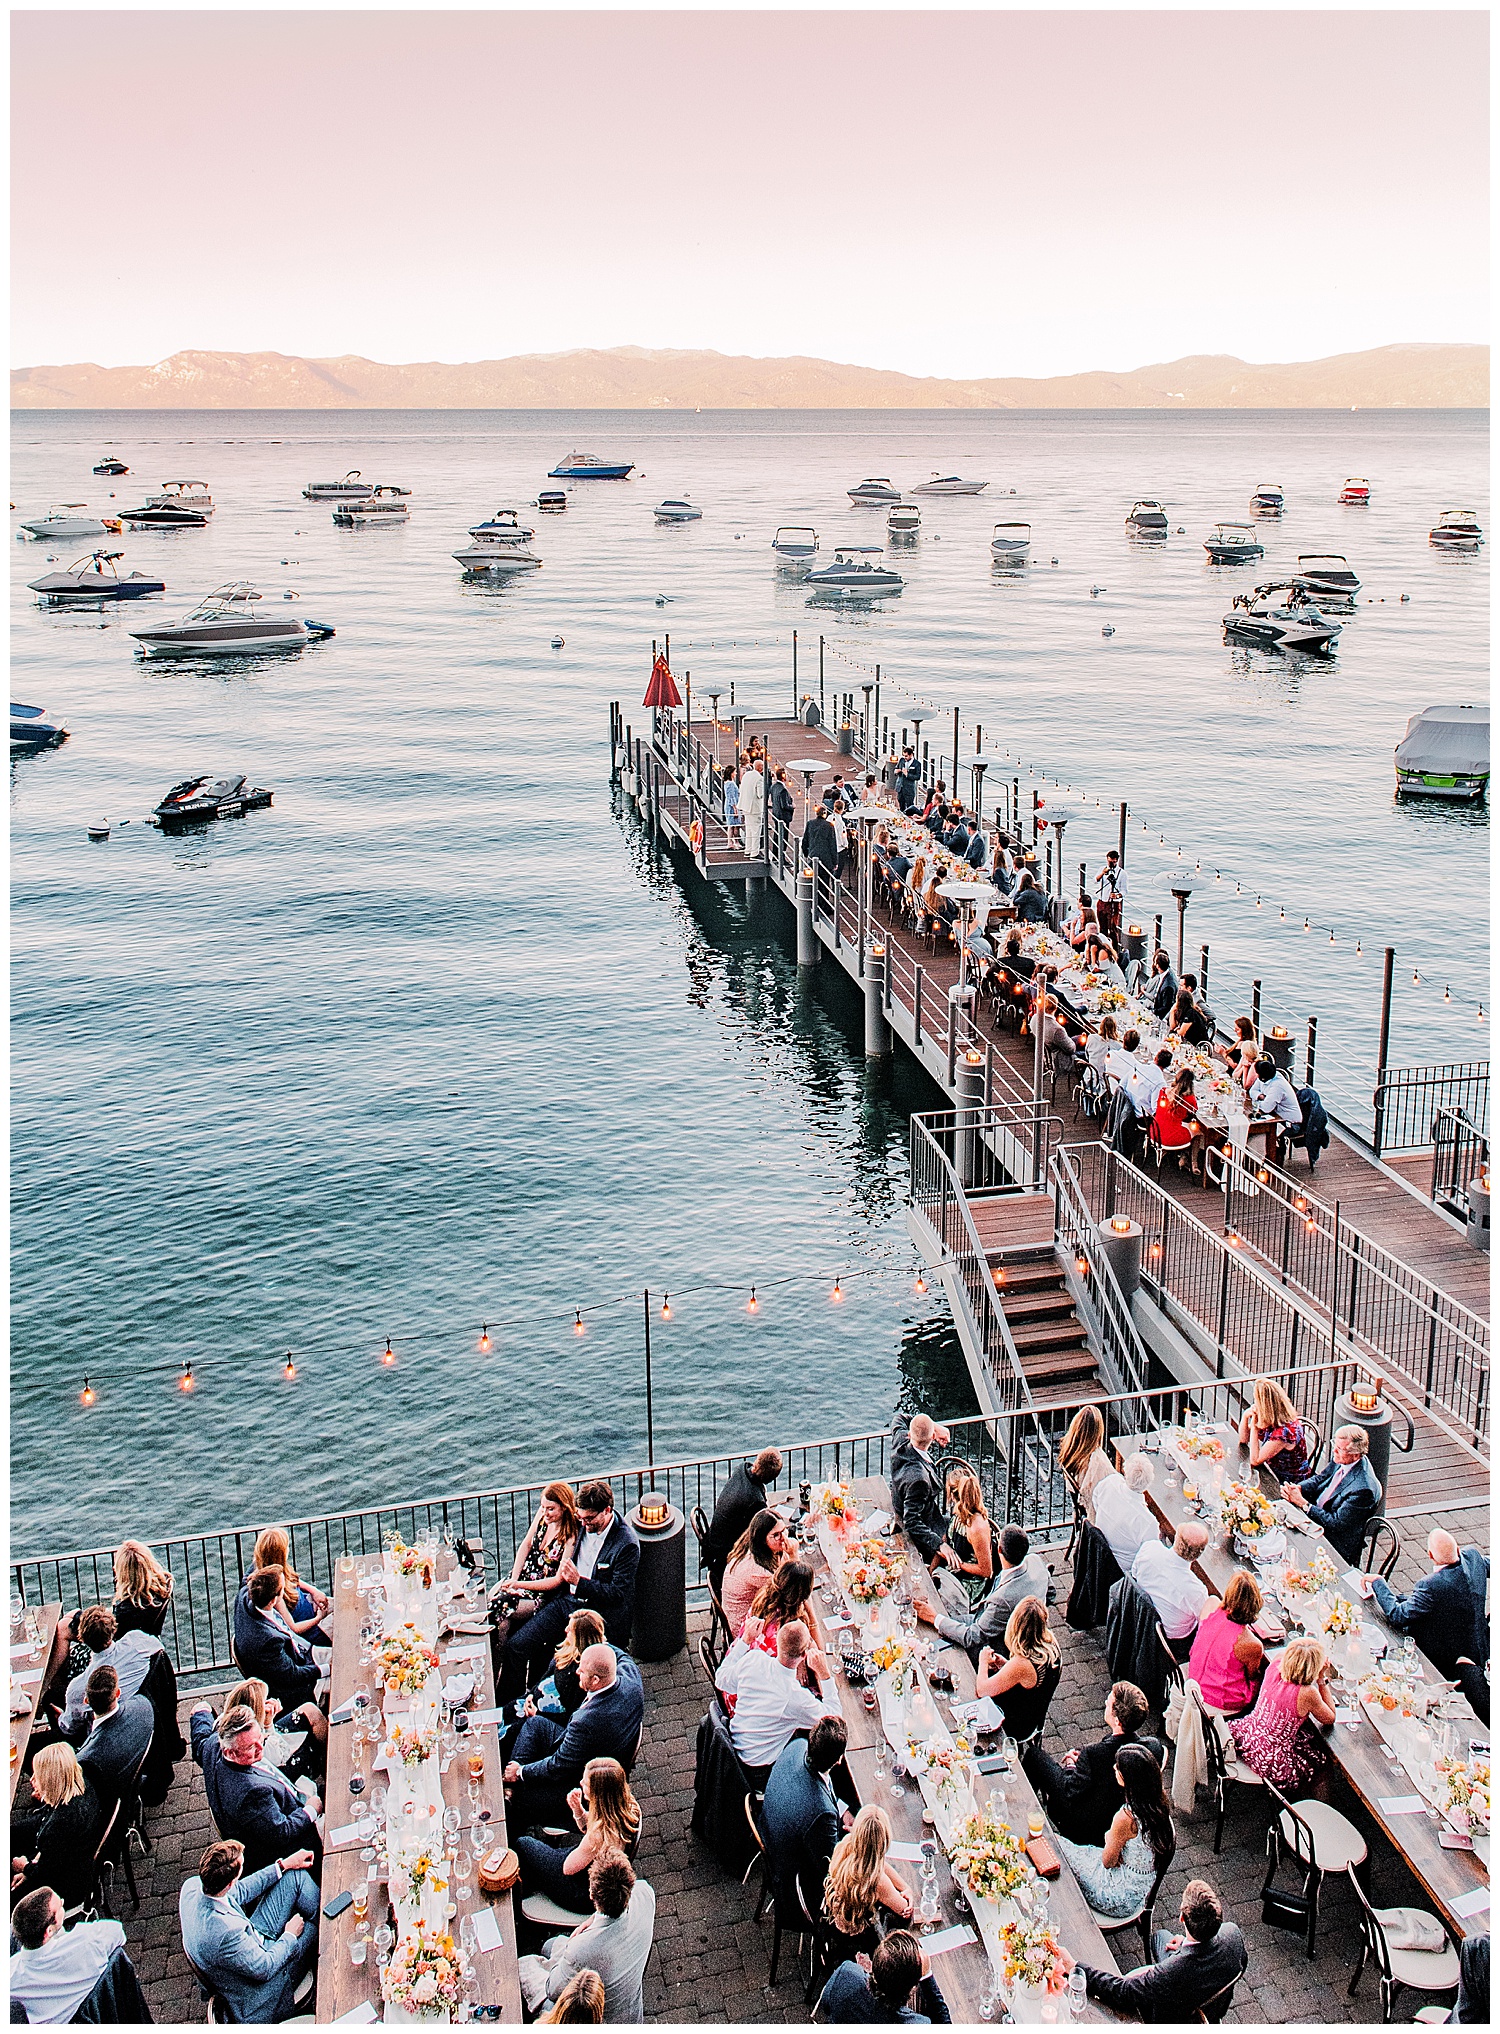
{"x":96,"y":1903}
{"x":698,"y":1520}
{"x":1090,"y":1091}
{"x":720,"y":1636}
{"x":1176,"y":1680}
{"x":1381,"y":1533}
{"x":1212,"y":2011}
{"x":117,"y":1999}
{"x":126,"y":1824}
{"x":218,"y":2006}
{"x":754,"y":1802}
{"x":1313,"y":1439}
{"x":1316,"y":1840}
{"x":1141,"y":1919}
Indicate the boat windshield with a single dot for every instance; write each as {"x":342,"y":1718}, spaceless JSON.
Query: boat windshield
{"x":1332,"y":561}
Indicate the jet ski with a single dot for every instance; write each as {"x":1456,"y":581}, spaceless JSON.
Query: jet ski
{"x":196,"y":800}
{"x":94,"y":578}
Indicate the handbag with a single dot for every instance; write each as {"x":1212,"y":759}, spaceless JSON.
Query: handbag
{"x":1044,"y":1859}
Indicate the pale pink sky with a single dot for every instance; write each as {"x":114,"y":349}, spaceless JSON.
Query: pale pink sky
{"x":959,"y":194}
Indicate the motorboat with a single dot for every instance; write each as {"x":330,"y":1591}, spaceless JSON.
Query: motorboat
{"x":1294,"y":622}
{"x":1356,"y":493}
{"x":1327,"y":574}
{"x":225,"y":625}
{"x":350,"y":488}
{"x":874,"y":493}
{"x":589,"y":466}
{"x":552,"y":498}
{"x":1457,"y":530}
{"x":181,"y":505}
{"x":1010,"y":543}
{"x":948,"y":483}
{"x":499,"y":552}
{"x":1147,"y":519}
{"x":1233,"y":544}
{"x":384,"y":505}
{"x":31,"y":727}
{"x":197,"y":800}
{"x":903,"y":519}
{"x":503,"y":523}
{"x":1267,"y":500}
{"x":677,"y":509}
{"x":855,"y":570}
{"x":64,"y":521}
{"x":795,"y":542}
{"x":109,"y":464}
{"x":95,"y":578}
{"x":1445,"y":753}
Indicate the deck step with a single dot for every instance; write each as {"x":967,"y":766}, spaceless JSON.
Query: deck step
{"x":1036,"y":1305}
{"x":1027,"y":1278}
{"x":1049,"y":1336}
{"x":1058,"y":1370}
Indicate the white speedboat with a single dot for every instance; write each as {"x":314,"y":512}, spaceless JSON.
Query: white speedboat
{"x":1355,"y":492}
{"x":677,"y":509}
{"x":109,"y":464}
{"x":387,"y":505}
{"x":65,"y":521}
{"x":795,"y":542}
{"x":225,"y":625}
{"x":1445,"y":753}
{"x":503,"y":523}
{"x":903,"y":519}
{"x":1457,"y":530}
{"x":350,"y":488}
{"x":855,"y":570}
{"x":1327,"y":574}
{"x":552,"y":498}
{"x":1233,"y":544}
{"x":1147,"y":519}
{"x":95,"y":578}
{"x":1291,"y":622}
{"x":1010,"y":543}
{"x":32,"y":727}
{"x":948,"y":483}
{"x":1267,"y":500}
{"x":499,"y":552}
{"x":874,"y":492}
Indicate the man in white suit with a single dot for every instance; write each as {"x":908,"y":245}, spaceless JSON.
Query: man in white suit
{"x":753,"y":807}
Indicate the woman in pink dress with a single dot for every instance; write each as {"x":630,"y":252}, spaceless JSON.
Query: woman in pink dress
{"x":753,"y":1560}
{"x":1279,"y":1738}
{"x":1227,"y":1659}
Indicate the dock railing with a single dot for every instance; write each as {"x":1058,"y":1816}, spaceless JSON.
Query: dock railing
{"x":1461,"y":1152}
{"x":1124,"y":1356}
{"x":1408,"y":1099}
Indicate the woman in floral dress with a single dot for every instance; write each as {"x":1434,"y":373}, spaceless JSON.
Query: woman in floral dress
{"x":1279,"y":1738}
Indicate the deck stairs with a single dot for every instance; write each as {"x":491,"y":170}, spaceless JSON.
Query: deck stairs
{"x":1050,"y":1340}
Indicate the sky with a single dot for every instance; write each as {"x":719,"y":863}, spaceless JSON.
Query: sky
{"x":955,"y":194}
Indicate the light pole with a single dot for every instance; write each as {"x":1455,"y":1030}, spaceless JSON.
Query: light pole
{"x":1182,"y":892}
{"x":714,"y":698}
{"x":978,"y":767}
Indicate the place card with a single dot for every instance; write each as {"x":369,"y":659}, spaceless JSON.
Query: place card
{"x":481,"y":1716}
{"x":25,"y":1680}
{"x":454,"y":1654}
{"x":1365,"y":1584}
{"x":1402,"y":1804}
{"x":875,"y":1523}
{"x":353,"y":1832}
{"x":19,"y":1652}
{"x":838,"y":1621}
{"x":1476,"y":1902}
{"x":487,"y":1929}
{"x":363,"y":2011}
{"x":906,"y":1853}
{"x":949,"y":1938}
{"x":343,"y":1713}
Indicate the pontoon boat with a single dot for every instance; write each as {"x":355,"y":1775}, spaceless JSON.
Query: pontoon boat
{"x":386,"y":505}
{"x":350,"y":488}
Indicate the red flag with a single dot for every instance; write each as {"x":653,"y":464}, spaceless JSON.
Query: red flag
{"x":662,"y":690}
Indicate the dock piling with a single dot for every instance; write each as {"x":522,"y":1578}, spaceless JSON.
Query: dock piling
{"x":877,"y":1031}
{"x":807,"y":938}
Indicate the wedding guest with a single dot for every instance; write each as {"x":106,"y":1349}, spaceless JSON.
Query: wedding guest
{"x":771,"y":1704}
{"x":860,"y":1883}
{"x":741,"y":1500}
{"x":1121,"y":1512}
{"x":965,"y":1583}
{"x":1187,"y":1020}
{"x":1116,"y":1877}
{"x":1445,"y":1615}
{"x":1227,"y":1659}
{"x":1279,"y":1738}
{"x":550,"y":1756}
{"x":52,"y":1969}
{"x":294,"y":1738}
{"x":1022,"y":1573}
{"x":119,"y":1736}
{"x":1344,"y":1496}
{"x":1189,"y":1970}
{"x":302,"y":1606}
{"x":55,"y":1844}
{"x":1274,"y":1435}
{"x":562,"y":1692}
{"x":614,"y":1943}
{"x":1082,"y":1790}
{"x":143,"y":1589}
{"x":801,"y":1816}
{"x":895,"y":1986}
{"x":1024,"y":1683}
{"x":600,"y":1576}
{"x":1083,"y":1457}
{"x":129,"y":1653}
{"x":1178,"y":1129}
{"x":608,"y":1819}
{"x":266,"y":1647}
{"x":536,"y":1573}
{"x":1102,"y":1042}
{"x":255,"y":1938}
{"x":753,"y":1560}
{"x":1166,"y":1575}
{"x":580,"y":2002}
{"x":787,"y":1599}
{"x":249,"y":1801}
{"x":916,"y":1485}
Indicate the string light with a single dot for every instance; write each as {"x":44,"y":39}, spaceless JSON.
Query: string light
{"x":186,"y":1381}
{"x":752,"y":1305}
{"x":1081,"y":1265}
{"x":1447,"y":993}
{"x":1481,"y":1013}
{"x":666,"y":1306}
{"x":1307,"y":925}
{"x":289,"y":1368}
{"x":1283,"y":914}
{"x":388,"y":1354}
{"x":87,"y":1395}
{"x":578,"y":1327}
{"x":1359,"y":951}
{"x":484,"y":1339}
{"x":921,"y":1284}
{"x":838,"y":1292}
{"x":1330,"y":938}
{"x":1415,"y":977}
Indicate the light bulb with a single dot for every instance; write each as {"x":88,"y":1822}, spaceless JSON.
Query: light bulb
{"x":1330,"y":939}
{"x":578,"y":1327}
{"x":1447,"y":993}
{"x":289,"y":1368}
{"x":752,"y":1305}
{"x":86,"y":1396}
{"x":186,"y":1381}
{"x":1415,"y":977}
{"x":484,"y":1339}
{"x":387,"y":1354}
{"x":1257,"y":901}
{"x":666,"y":1306}
{"x":921,"y":1285}
{"x":1283,"y":914}
{"x":1359,"y":951}
{"x":1311,"y":1225}
{"x":1307,"y":925}
{"x":1081,"y":1266}
{"x":838,"y":1292}
{"x":1156,"y":1250}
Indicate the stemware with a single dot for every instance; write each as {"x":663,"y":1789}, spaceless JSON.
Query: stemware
{"x":463,"y":1872}
{"x":1078,"y":1992}
{"x":385,"y":1941}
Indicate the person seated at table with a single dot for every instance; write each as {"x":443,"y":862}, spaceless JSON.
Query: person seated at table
{"x":1099,"y":1044}
{"x":1445,"y":1615}
{"x":785,"y":1599}
{"x":1121,"y":1512}
{"x":916,"y":1485}
{"x":1083,"y":1457}
{"x":1060,"y":1047}
{"x":977,"y":943}
{"x":965,"y":1582}
{"x":1116,"y":1877}
{"x":753,"y":1560}
{"x":1187,"y":1021}
{"x":893,"y":1987}
{"x":600,"y":1576}
{"x":1472,"y":2006}
{"x":143,"y":1590}
{"x":1105,"y":963}
{"x":53,"y":1969}
{"x":1274,"y":1095}
{"x":536,"y":1573}
{"x":1148,"y":1081}
{"x":294,"y":1738}
{"x":1165,"y":1574}
{"x":254,"y":1938}
{"x":771,"y":1704}
{"x":742,"y":1499}
{"x":941,"y":912}
{"x":129,"y":1653}
{"x":801,"y":1817}
{"x":1190,"y":983}
{"x":1189,"y":1970}
{"x":859,"y":1884}
{"x":1177,"y":1125}
{"x":1344,"y":1495}
{"x":977,"y":853}
{"x":1022,"y":1574}
{"x":1279,"y":1738}
{"x":119,"y":1735}
{"x":550,"y":1755}
{"x":1160,"y":992}
{"x":1082,"y":1790}
{"x":1024,"y":1682}
{"x":608,"y":1818}
{"x":248,"y":1800}
{"x":956,"y":835}
{"x":1083,"y":927}
{"x":1029,"y":900}
{"x":1121,"y":1062}
{"x":580,"y":2002}
{"x":561,"y":1693}
{"x":54,"y":1845}
{"x":266,"y":1647}
{"x":1275,"y":1437}
{"x":1244,"y":1036}
{"x":614,"y":1943}
{"x":1022,"y":965}
{"x":1227,"y":1659}
{"x":302,"y":1607}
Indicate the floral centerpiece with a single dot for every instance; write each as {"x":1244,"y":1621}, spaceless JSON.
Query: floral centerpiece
{"x":988,"y":1855}
{"x":1030,"y":1956}
{"x":833,"y":1502}
{"x":1319,"y":1573}
{"x":1246,"y":1511}
{"x":411,"y":1561}
{"x":1341,"y":1618}
{"x":1201,"y":1447}
{"x":893,"y":1658}
{"x":946,"y":1761}
{"x":403,"y":1662}
{"x":872,"y":1569}
{"x":1113,"y":999}
{"x":1390,"y":1692}
{"x":425,"y":1975}
{"x":412,"y":1747}
{"x":1464,"y":1794}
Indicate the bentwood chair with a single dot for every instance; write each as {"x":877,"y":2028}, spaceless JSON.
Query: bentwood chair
{"x":1424,"y":1970}
{"x":1380,"y":1533}
{"x":1225,"y":1767}
{"x":698,"y":1520}
{"x":1312,"y":1438}
{"x":1141,"y":1918}
{"x":1316,"y":1840}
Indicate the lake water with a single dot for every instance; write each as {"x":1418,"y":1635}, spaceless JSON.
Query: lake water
{"x":438,"y":1041}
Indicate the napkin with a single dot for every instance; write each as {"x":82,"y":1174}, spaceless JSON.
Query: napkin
{"x":363,"y":2011}
{"x":478,"y":1716}
{"x":1476,"y":1902}
{"x":458,"y":1688}
{"x":457,"y":1653}
{"x":487,"y":1929}
{"x":1401,"y":1804}
{"x":949,"y":1938}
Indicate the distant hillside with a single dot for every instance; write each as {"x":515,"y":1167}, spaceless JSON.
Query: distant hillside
{"x":636,"y":378}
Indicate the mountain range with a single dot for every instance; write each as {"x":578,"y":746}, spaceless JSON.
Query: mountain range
{"x":1424,"y":376}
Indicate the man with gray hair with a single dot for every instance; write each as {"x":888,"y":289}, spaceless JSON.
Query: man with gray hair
{"x":1121,"y":1512}
{"x":1445,"y":1615}
{"x":1344,"y":1497}
{"x":249,"y":1800}
{"x":1167,"y":1576}
{"x":917,"y":1489}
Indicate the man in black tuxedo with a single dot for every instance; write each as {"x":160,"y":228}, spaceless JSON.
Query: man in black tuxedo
{"x":1191,"y":1968}
{"x":120,"y":1733}
{"x":249,"y":1800}
{"x":600,"y":1577}
{"x":916,"y":1487}
{"x":820,"y":843}
{"x":264,"y":1646}
{"x":741,"y":1499}
{"x":550,"y":1756}
{"x":1081,"y":1790}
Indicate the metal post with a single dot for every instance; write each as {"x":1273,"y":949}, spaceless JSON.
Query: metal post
{"x":1255,"y":1010}
{"x":1083,"y":879}
{"x":953,"y":787}
{"x":877,"y":1031}
{"x":822,"y":700}
{"x":1124,"y":809}
{"x":1156,"y":936}
{"x":1013,"y":817}
{"x":919,"y":975}
{"x":966,"y":1128}
{"x":650,"y":1425}
{"x":952,"y":1037}
{"x":1203,"y":970}
{"x":796,"y":701}
{"x":1312,"y":1047}
{"x":878,"y":743}
{"x":1382,"y":1051}
{"x":1036,"y":825}
{"x":807,"y":937}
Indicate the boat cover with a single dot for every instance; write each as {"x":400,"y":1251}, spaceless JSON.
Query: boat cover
{"x":1447,"y":741}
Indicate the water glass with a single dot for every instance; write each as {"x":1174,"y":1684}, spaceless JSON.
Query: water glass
{"x":989,"y":1998}
{"x":358,"y":1944}
{"x":1078,"y":1991}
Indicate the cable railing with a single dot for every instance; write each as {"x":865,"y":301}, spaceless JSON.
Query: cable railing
{"x":1408,"y":1098}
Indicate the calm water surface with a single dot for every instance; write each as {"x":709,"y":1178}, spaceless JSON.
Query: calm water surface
{"x":439,"y":1041}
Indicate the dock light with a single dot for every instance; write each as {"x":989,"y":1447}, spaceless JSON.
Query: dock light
{"x":484,"y":1339}
{"x":1120,"y":1224}
{"x":1136,"y":931}
{"x":1257,"y":901}
{"x":653,"y":1511}
{"x":752,"y":1305}
{"x":1283,"y":914}
{"x":1280,"y":1031}
{"x":1081,"y":1265}
{"x":1264,"y":1177}
{"x":578,"y":1327}
{"x":1365,"y":1396}
{"x":1415,"y":977}
{"x":921,"y":1284}
{"x":1300,"y":1204}
{"x":1330,"y":939}
{"x":387,"y":1354}
{"x":1234,"y":1241}
{"x":973,"y":1057}
{"x":289,"y":1368}
{"x":86,"y":1396}
{"x":838,"y":1292}
{"x":187,"y":1380}
{"x":666,"y":1306}
{"x":1155,"y":1250}
{"x":999,"y":1274}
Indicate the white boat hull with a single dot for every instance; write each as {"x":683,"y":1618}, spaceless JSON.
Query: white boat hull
{"x":1009,"y":554}
{"x":483,"y":559}
{"x":64,"y":527}
{"x":292,"y":637}
{"x":950,"y":487}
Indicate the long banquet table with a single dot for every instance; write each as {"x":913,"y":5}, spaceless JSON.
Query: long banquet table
{"x":1456,"y":1881}
{"x":28,"y":1671}
{"x":346,"y":1990}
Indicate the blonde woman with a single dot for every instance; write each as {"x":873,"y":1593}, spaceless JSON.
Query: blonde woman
{"x":860,"y":1882}
{"x":965,"y":1583}
{"x":609,"y":1820}
{"x":1083,"y":1457}
{"x":302,"y":1607}
{"x":1279,"y":1738}
{"x":581,"y":2000}
{"x":1024,"y":1682}
{"x":1276,"y":1438}
{"x":143,"y":1590}
{"x":551,"y":1539}
{"x":55,"y":1846}
{"x":294,"y":1737}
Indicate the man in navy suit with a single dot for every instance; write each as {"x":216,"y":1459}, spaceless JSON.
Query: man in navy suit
{"x":249,"y":1800}
{"x":1344,"y":1497}
{"x":550,"y":1757}
{"x":802,"y":1817}
{"x":119,"y":1737}
{"x":916,"y":1487}
{"x":1445,"y":1615}
{"x":266,"y":1648}
{"x":601,"y":1576}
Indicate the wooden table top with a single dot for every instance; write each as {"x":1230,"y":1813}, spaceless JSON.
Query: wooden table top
{"x":1445,"y":1875}
{"x":342,"y":1986}
{"x":27,"y":1671}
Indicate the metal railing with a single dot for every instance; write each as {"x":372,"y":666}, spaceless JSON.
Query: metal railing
{"x":1408,"y":1099}
{"x":1115,"y":1335}
{"x":1461,"y":1151}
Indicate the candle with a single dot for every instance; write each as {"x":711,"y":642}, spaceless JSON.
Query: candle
{"x":1120,"y":1224}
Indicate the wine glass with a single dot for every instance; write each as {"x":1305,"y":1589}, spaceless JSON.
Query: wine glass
{"x":882,"y":1757}
{"x":463,"y":1872}
{"x":453,"y":1822}
{"x":1078,"y":1991}
{"x":385,"y":1942}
